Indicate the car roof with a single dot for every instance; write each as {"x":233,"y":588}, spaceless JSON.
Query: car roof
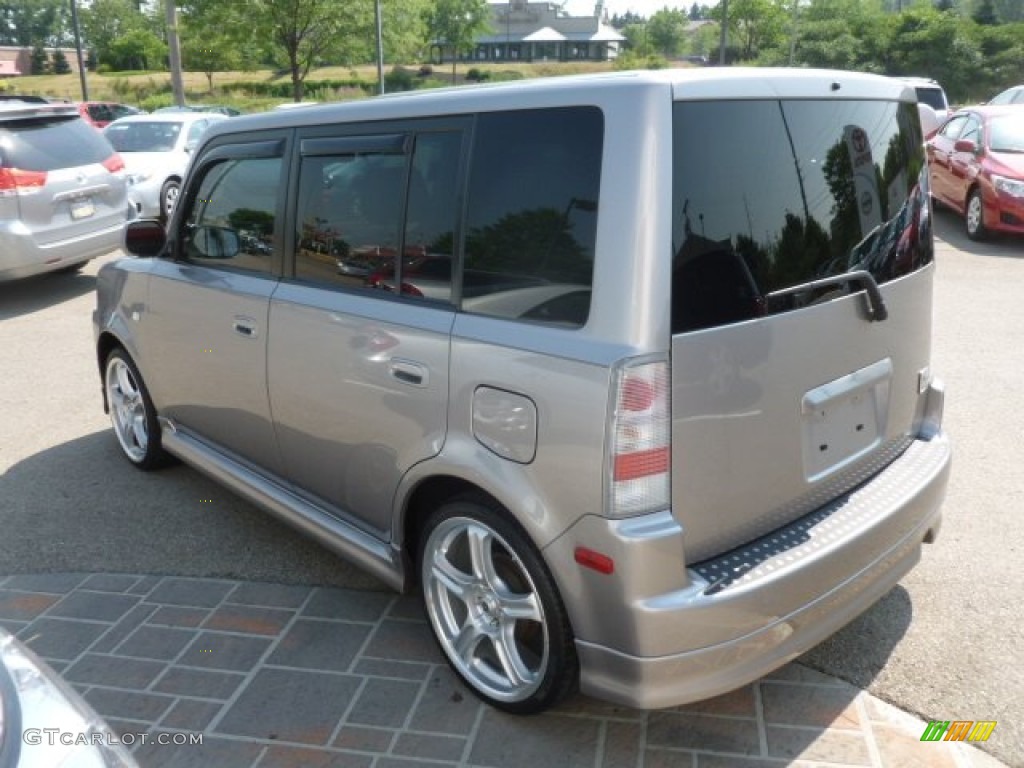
{"x":689,"y":83}
{"x":988,"y":110}
{"x":21,"y":110}
{"x":170,"y":117}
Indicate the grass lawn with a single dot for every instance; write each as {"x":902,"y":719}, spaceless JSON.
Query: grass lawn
{"x":153,"y":89}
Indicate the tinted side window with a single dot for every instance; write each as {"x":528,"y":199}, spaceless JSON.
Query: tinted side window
{"x":972,"y":131}
{"x":232,"y":219}
{"x":50,"y":143}
{"x":350,"y":218}
{"x":826,"y":188}
{"x":952,"y":129}
{"x":532,"y":214}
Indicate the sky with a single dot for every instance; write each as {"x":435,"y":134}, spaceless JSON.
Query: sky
{"x":643,"y":7}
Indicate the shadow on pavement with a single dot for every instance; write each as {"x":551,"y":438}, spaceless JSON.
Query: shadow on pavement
{"x":23,"y":297}
{"x":80,"y":506}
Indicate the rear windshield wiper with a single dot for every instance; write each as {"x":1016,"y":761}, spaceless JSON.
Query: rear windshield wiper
{"x":859,"y":279}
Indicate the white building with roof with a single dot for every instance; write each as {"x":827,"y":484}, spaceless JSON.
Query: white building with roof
{"x":542,"y":31}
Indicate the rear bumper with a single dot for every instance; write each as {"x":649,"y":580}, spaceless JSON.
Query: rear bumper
{"x":777,"y":597}
{"x":21,"y":256}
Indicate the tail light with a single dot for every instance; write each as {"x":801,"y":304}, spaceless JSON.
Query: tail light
{"x":114,"y":163}
{"x":15,"y":182}
{"x":640,"y":439}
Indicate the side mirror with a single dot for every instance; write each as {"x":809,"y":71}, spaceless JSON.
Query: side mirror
{"x":145,"y":237}
{"x":209,"y":242}
{"x":965,"y":145}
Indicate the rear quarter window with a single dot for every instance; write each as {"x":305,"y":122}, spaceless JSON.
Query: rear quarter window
{"x":769,"y":195}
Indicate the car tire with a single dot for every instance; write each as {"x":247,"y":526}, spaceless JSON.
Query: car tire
{"x":168,"y":198}
{"x":132,"y":412}
{"x":974,"y":216}
{"x":494,"y":608}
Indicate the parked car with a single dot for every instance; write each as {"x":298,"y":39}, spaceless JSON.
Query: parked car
{"x":931,"y":93}
{"x":62,"y":190}
{"x":103,"y":113}
{"x":977,"y":168}
{"x":44,"y":721}
{"x":645,"y":433}
{"x":156,"y":150}
{"x":1014,"y":95}
{"x":215,"y":108}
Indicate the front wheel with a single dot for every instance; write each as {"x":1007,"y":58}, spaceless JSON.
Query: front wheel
{"x":494,"y":608}
{"x":168,"y":198}
{"x":974,"y":216}
{"x":132,"y":412}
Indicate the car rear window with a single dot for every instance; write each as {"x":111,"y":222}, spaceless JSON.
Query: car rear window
{"x":49,"y":143}
{"x":933,"y":97}
{"x":770,"y":195}
{"x":143,"y":136}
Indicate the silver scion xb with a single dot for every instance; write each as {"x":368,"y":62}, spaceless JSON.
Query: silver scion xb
{"x":633,"y":382}
{"x":62,"y":190}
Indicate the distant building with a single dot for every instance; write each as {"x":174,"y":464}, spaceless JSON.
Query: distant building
{"x":16,"y":60}
{"x":525,"y":31}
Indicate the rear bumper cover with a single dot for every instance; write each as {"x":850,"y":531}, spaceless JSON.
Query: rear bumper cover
{"x":21,"y":256}
{"x":779,"y":597}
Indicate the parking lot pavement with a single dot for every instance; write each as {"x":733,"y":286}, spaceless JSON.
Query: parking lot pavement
{"x":268,"y":675}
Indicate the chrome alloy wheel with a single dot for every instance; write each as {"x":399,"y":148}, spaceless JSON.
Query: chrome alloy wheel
{"x":127,"y":409}
{"x":170,"y":196}
{"x":974,"y":214}
{"x":485,"y":609}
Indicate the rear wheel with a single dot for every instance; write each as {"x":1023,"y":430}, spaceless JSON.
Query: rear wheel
{"x":974,"y":216}
{"x":494,"y":608}
{"x":132,"y":412}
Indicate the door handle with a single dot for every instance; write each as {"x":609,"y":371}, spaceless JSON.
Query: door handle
{"x":245,"y":326}
{"x":409,"y":372}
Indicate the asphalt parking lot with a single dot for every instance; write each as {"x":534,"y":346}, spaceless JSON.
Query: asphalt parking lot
{"x":947,"y":643}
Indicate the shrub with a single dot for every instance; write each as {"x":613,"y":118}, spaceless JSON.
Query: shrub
{"x":399,"y":79}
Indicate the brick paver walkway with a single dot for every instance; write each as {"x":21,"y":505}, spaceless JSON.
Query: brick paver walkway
{"x":275,"y":676}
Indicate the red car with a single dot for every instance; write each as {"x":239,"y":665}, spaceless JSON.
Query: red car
{"x":103,"y":113}
{"x":976,"y":163}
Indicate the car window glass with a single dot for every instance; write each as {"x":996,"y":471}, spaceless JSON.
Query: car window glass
{"x":828,"y":187}
{"x":231,"y":221}
{"x":1006,"y":134}
{"x":972,"y":130}
{"x":348,"y":216}
{"x":196,"y":130}
{"x":951,"y":130}
{"x":48,"y":143}
{"x":143,"y":136}
{"x":532,"y":214}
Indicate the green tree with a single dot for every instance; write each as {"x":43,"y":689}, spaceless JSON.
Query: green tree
{"x":27,"y":22}
{"x":666,"y":30}
{"x":60,"y":63}
{"x":107,"y":21}
{"x":755,"y":24}
{"x":985,"y":13}
{"x":208,"y":52}
{"x":306,"y":33}
{"x":456,"y":24}
{"x":40,"y":62}
{"x":404,"y":27}
{"x":137,"y":49}
{"x":636,"y":39}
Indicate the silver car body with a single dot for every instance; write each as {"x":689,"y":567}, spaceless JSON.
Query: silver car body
{"x":156,"y":149}
{"x":805,"y":464}
{"x":68,"y":205}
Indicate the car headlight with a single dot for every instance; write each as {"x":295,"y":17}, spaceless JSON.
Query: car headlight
{"x":1011,"y":187}
{"x":43,"y":721}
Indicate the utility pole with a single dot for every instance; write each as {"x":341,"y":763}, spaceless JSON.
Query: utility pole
{"x":174,"y":52}
{"x":723,"y":40}
{"x":792,"y":38}
{"x":380,"y":47}
{"x":78,"y":47}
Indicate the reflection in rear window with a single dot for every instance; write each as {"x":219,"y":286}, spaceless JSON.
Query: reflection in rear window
{"x":819,"y":189}
{"x":49,"y":143}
